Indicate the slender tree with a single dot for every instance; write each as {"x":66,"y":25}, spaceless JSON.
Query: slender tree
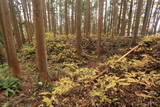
{"x":61,"y":17}
{"x":41,"y":51}
{"x":73,"y":17}
{"x":49,"y":15}
{"x":146,"y":17}
{"x":15,"y":24}
{"x":123,"y":26}
{"x":78,"y":27}
{"x":54,"y":28}
{"x":88,"y":18}
{"x":105,"y":19}
{"x":137,"y":21}
{"x":7,"y":25}
{"x":130,"y":18}
{"x":27,"y":26}
{"x":120,"y":17}
{"x":114,"y":17}
{"x":21,"y":26}
{"x":150,"y":16}
{"x":44,"y":15}
{"x":66,"y":17}
{"x":100,"y":23}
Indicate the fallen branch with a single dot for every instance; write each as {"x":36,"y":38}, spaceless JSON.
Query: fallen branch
{"x":128,"y":53}
{"x":104,"y":71}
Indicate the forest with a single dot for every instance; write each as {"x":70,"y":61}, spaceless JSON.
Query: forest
{"x":79,"y":53}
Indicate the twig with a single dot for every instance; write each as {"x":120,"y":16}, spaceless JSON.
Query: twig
{"x":104,"y":71}
{"x":128,"y":53}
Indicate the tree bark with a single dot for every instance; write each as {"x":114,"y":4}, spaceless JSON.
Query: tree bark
{"x":148,"y":23}
{"x":105,"y":19}
{"x":130,"y":19}
{"x":54,"y":28}
{"x":100,"y":23}
{"x":114,"y":17}
{"x":15,"y":25}
{"x":120,"y":17}
{"x":45,"y":16}
{"x":78,"y":27}
{"x":66,"y":17}
{"x":41,"y":50}
{"x":123,"y":26}
{"x":137,"y":21}
{"x":7,"y":23}
{"x":27,"y":26}
{"x":49,"y":16}
{"x":73,"y":17}
{"x":88,"y":18}
{"x":146,"y":17}
{"x":61,"y":17}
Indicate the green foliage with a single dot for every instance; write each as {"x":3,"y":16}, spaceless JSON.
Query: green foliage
{"x":99,"y":97}
{"x":64,"y":85}
{"x":84,"y":73}
{"x":28,"y":52}
{"x":1,"y":40}
{"x":8,"y":84}
{"x":121,"y":65}
{"x":127,"y":78}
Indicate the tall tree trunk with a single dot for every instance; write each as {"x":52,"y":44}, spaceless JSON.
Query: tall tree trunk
{"x":146,"y":17}
{"x":156,"y":23}
{"x":155,"y":16}
{"x":120,"y":17}
{"x":100,"y":23}
{"x":137,"y":21}
{"x":27,"y":26}
{"x":130,"y":18}
{"x":3,"y":33}
{"x":150,"y":16}
{"x":49,"y":16}
{"x":21,"y":27}
{"x":105,"y":19}
{"x":15,"y":25}
{"x":53,"y":19}
{"x":41,"y":50}
{"x":73,"y":17}
{"x":6,"y":17}
{"x":61,"y":17}
{"x":66,"y":17}
{"x":88,"y":18}
{"x":78,"y":27}
{"x":94,"y":24}
{"x":123,"y":26}
{"x":114,"y":18}
{"x":45,"y":16}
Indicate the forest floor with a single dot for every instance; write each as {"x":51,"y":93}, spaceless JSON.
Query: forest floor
{"x":111,"y":81}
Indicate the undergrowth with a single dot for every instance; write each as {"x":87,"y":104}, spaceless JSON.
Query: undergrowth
{"x":133,"y":81}
{"x":8,"y":83}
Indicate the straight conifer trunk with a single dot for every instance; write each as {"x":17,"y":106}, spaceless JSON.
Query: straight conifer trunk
{"x":137,"y":21}
{"x":78,"y":27}
{"x":100,"y":23}
{"x":41,"y":50}
{"x":7,"y":26}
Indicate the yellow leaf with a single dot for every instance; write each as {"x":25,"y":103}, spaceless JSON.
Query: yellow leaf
{"x":131,"y":80}
{"x":45,"y":93}
{"x":143,"y":95}
{"x":124,"y":83}
{"x":110,"y":85}
{"x":47,"y":101}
